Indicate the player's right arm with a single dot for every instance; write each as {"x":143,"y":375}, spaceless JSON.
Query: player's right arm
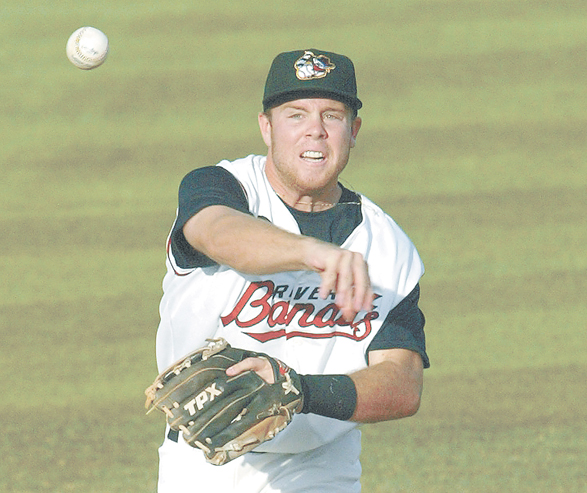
{"x":255,"y":246}
{"x":214,"y":225}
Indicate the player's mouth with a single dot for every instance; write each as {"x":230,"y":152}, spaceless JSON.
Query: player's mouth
{"x":313,"y":156}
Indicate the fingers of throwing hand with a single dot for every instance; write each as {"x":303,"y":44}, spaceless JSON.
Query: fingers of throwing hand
{"x":346,"y":274}
{"x":363,"y":293}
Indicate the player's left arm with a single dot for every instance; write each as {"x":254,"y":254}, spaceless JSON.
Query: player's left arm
{"x":390,"y":387}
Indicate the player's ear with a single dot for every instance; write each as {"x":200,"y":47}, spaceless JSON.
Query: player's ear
{"x":355,"y":127}
{"x":265,"y":127}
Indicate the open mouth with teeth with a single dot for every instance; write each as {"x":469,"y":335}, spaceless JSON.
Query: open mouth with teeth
{"x":313,"y":155}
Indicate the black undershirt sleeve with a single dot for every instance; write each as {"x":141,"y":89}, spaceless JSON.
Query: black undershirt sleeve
{"x":403,"y":328}
{"x":203,"y":187}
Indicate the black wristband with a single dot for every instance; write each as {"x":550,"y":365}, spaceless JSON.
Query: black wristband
{"x":333,"y":396}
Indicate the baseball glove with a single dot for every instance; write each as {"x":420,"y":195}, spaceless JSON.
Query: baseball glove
{"x":224,"y":416}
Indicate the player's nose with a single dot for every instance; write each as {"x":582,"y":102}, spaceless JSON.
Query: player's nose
{"x":315,"y":127}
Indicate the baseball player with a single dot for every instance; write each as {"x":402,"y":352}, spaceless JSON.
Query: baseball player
{"x":274,"y":255}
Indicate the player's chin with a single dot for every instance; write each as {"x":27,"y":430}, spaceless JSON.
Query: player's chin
{"x":313,"y":181}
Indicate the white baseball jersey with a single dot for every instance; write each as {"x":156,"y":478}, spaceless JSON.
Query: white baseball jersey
{"x":281,"y":314}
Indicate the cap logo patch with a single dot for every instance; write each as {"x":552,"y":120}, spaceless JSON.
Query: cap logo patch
{"x":310,"y":66}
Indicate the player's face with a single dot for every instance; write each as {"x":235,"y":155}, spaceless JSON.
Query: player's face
{"x":309,"y":142}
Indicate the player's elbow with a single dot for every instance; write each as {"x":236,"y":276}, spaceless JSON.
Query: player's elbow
{"x":406,"y":404}
{"x":410,"y":394}
{"x":410,"y":404}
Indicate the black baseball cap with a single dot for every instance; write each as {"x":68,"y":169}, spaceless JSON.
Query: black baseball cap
{"x":311,"y":74}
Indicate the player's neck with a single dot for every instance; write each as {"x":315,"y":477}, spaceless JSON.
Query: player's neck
{"x":311,"y":203}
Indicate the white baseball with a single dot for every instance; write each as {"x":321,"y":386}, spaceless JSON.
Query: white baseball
{"x":87,"y":48}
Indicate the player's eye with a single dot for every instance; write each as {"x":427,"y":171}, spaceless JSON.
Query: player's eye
{"x":332,"y":116}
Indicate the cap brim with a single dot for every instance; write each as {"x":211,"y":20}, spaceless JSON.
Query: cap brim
{"x":286,"y":96}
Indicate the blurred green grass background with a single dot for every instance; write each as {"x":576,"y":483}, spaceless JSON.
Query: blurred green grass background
{"x":473,"y":139}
